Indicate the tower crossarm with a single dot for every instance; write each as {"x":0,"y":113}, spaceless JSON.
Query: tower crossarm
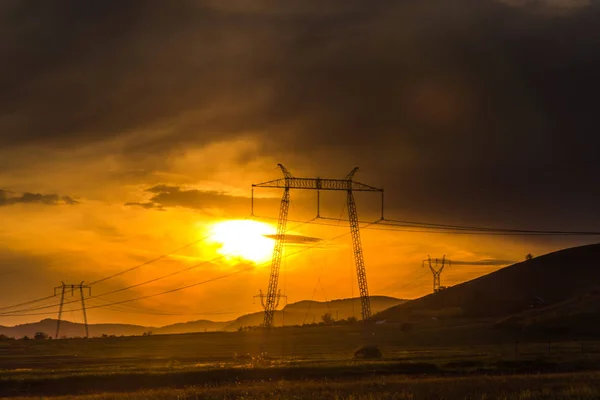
{"x":349,"y":185}
{"x":318,"y":184}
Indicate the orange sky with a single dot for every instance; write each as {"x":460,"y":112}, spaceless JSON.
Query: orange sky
{"x":128,"y":129}
{"x":101,"y":236}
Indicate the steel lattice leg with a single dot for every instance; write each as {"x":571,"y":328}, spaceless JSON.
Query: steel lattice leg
{"x":271,"y":301}
{"x":361,"y":273}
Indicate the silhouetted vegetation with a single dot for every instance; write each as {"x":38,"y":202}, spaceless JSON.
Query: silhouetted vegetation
{"x":327,"y":319}
{"x":368,"y":353}
{"x":40,"y":336}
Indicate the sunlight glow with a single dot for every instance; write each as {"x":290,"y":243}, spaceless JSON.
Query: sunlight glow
{"x":244,"y":239}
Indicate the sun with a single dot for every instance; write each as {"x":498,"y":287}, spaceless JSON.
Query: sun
{"x":243,"y":239}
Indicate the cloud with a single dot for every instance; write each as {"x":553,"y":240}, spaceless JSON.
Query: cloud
{"x":483,"y":103}
{"x":8,"y":198}
{"x":165,"y":196}
{"x":148,"y":205}
{"x":297,"y":239}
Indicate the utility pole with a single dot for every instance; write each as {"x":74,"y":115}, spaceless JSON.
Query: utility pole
{"x":290,"y":182}
{"x":436,"y":267}
{"x":73,"y":287}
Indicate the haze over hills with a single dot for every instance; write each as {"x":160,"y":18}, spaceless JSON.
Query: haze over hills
{"x":305,"y":311}
{"x":70,"y":329}
{"x":309,"y":311}
{"x":556,"y":292}
{"x":557,"y":285}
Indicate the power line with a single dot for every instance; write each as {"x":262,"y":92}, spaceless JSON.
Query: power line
{"x":392,"y":225}
{"x":16,"y":312}
{"x":425,"y":225}
{"x":124,"y":308}
{"x":187,"y":286}
{"x":123,"y":288}
{"x":490,"y":232}
{"x":114,"y":275}
{"x":383,"y":225}
{"x":150,"y":261}
{"x":28,"y":302}
{"x":150,"y":295}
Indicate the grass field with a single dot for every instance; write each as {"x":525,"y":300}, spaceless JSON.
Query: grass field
{"x":300,"y":363}
{"x":579,"y":386}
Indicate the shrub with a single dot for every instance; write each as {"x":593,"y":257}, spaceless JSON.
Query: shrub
{"x":368,"y":353}
{"x":40,"y":336}
{"x":327,"y":319}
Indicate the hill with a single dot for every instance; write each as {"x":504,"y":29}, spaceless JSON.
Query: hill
{"x":578,"y":315}
{"x":309,"y":311}
{"x":202,"y":325}
{"x":539,"y":283}
{"x":292,"y":314}
{"x":70,"y":329}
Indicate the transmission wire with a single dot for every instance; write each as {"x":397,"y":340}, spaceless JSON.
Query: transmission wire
{"x":15,"y":313}
{"x":190,"y":285}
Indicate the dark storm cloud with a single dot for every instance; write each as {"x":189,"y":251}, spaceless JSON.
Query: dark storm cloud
{"x":464,"y":111}
{"x":165,"y":196}
{"x":8,"y":198}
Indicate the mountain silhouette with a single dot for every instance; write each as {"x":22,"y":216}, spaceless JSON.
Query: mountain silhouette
{"x":305,"y":311}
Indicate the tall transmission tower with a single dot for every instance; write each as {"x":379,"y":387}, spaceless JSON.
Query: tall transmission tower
{"x":74,"y":288}
{"x":436,"y":267}
{"x":290,"y":182}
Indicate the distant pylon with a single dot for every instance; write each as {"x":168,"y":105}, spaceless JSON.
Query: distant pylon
{"x":278,"y":297}
{"x":63,"y":287}
{"x":436,"y":267}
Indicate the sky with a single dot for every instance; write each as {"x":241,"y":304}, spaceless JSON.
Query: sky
{"x":130,"y":129}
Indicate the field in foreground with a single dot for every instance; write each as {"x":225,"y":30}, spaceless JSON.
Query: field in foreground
{"x":460,"y":362}
{"x":580,"y":386}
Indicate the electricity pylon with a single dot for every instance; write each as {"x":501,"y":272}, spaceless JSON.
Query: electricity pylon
{"x":263,"y":296}
{"x":290,"y":182}
{"x":73,"y":288}
{"x":436,"y":267}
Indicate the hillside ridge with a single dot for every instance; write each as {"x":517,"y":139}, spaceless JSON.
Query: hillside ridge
{"x":540,"y":282}
{"x":292,"y":314}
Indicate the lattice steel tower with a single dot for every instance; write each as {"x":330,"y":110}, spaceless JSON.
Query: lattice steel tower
{"x":436,"y":267}
{"x":290,"y":182}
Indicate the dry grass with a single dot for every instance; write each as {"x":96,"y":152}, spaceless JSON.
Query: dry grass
{"x":577,"y":386}
{"x":301,"y":363}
